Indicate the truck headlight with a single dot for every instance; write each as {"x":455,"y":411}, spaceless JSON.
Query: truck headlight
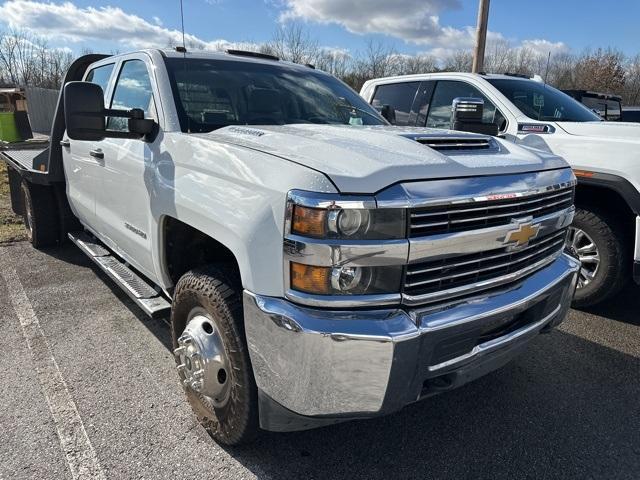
{"x":345,"y":280}
{"x":348,"y":223}
{"x":343,"y":246}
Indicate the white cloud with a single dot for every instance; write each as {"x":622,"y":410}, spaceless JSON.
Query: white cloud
{"x":415,"y":21}
{"x":543,"y":47}
{"x":68,"y":22}
{"x":157,"y":20}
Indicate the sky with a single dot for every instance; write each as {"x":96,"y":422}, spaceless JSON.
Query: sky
{"x":437,"y":27}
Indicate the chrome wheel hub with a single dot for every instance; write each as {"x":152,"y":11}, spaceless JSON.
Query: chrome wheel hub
{"x":203,"y":365}
{"x":587,"y":251}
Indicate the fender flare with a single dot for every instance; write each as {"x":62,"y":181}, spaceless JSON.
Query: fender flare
{"x":621,"y":186}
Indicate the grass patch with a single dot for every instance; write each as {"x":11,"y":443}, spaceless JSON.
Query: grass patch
{"x":11,"y":226}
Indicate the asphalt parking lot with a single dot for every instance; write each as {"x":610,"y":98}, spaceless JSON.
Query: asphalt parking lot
{"x":88,"y":390}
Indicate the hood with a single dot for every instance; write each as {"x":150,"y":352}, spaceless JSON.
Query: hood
{"x":360,"y":159}
{"x":607,"y":130}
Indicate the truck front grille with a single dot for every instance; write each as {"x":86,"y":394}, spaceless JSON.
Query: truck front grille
{"x":482,"y":213}
{"x":456,"y":273}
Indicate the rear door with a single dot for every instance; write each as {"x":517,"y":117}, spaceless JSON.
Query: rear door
{"x":82,"y":162}
{"x":123,"y":201}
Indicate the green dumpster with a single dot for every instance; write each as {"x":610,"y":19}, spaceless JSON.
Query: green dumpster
{"x":8,"y":129}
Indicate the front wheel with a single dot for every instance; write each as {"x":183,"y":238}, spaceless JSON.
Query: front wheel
{"x":599,"y":243}
{"x":211,"y":355}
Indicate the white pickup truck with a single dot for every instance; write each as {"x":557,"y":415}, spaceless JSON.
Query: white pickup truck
{"x":318,"y":264}
{"x":605,"y":157}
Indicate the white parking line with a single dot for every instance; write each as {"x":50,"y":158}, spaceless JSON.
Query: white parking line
{"x":80,"y":456}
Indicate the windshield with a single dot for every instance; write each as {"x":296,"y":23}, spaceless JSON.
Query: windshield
{"x":543,"y":102}
{"x":212,"y":94}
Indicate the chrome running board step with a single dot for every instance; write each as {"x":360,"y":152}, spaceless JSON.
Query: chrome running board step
{"x":139,"y":290}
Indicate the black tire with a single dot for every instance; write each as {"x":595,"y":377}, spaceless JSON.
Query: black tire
{"x":237,"y":421}
{"x":609,"y":238}
{"x":40,"y":215}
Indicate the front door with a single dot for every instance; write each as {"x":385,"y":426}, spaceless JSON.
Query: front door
{"x":123,"y":205}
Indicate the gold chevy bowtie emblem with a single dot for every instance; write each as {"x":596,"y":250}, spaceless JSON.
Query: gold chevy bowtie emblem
{"x":523,"y":235}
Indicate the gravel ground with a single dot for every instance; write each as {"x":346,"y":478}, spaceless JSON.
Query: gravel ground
{"x":77,"y":349}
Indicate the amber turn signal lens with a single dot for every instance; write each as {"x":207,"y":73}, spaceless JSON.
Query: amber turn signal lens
{"x":310,"y":279}
{"x":583,"y":173}
{"x":309,"y":221}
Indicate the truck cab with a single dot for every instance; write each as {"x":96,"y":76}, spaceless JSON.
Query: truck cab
{"x":604,"y":155}
{"x":317,"y":264}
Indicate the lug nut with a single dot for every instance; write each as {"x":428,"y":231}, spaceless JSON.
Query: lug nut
{"x":179,"y":351}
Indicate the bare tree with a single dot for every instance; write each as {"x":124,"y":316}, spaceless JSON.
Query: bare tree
{"x":602,"y":70}
{"x":413,"y":64}
{"x":631,"y":90}
{"x":27,"y":60}
{"x":334,"y":61}
{"x":459,"y":61}
{"x":293,"y":42}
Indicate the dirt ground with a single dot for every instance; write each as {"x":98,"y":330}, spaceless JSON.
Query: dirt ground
{"x":11,"y":227}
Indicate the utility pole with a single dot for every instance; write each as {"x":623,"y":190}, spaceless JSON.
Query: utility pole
{"x":481,"y":36}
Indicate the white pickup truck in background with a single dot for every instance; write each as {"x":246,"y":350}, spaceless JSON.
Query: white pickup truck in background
{"x":318,"y":264}
{"x":605,"y":157}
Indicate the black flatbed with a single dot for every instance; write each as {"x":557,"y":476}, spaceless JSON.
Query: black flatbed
{"x":21,"y":155}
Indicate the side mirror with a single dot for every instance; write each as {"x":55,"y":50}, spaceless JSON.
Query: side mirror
{"x":389,"y":113}
{"x":84,"y":111}
{"x":466,"y":116}
{"x":84,"y":115}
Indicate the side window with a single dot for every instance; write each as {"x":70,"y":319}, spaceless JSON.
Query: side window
{"x":398,"y":95}
{"x":100,"y":76}
{"x":133,"y":90}
{"x":446,"y":90}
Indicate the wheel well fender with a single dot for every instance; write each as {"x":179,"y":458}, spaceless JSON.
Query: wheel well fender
{"x":606,"y":200}
{"x":185,"y":247}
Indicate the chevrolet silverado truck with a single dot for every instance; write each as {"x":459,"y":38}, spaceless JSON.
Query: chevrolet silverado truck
{"x":605,"y":157}
{"x":318,"y":264}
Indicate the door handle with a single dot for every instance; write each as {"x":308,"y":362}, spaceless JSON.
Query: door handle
{"x":65,"y":143}
{"x":97,"y":153}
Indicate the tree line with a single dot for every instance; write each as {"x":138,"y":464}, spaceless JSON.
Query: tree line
{"x":27,"y":60}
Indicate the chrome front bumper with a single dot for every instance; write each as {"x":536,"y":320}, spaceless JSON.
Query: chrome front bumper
{"x":314,"y":366}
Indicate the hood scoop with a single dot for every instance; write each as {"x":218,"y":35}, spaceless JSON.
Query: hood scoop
{"x":452,"y":143}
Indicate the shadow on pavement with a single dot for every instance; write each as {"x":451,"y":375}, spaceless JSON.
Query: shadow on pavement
{"x":624,"y":307}
{"x":71,"y":254}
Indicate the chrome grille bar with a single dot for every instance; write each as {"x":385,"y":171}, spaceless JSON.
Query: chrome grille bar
{"x":417,"y":269}
{"x":451,"y":218}
{"x":481,"y":265}
{"x":472,"y":288}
